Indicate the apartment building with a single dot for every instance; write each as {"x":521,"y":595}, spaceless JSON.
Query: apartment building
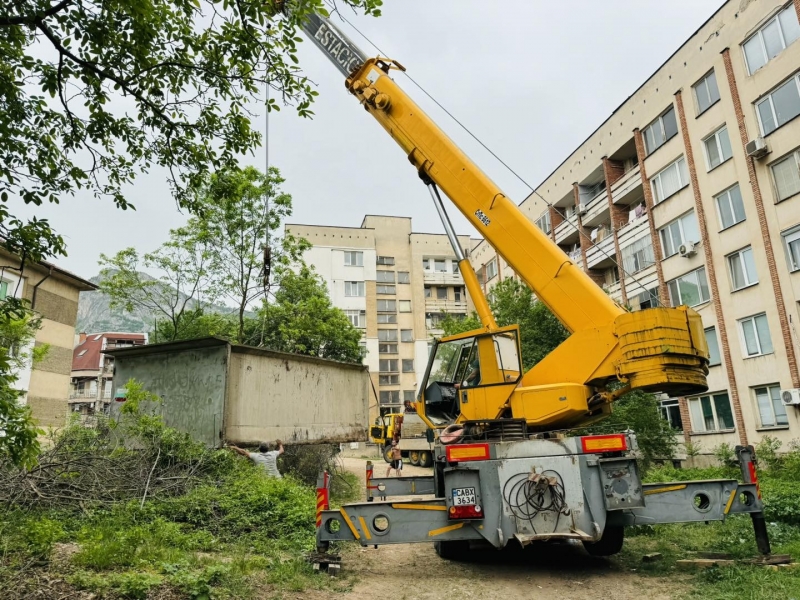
{"x":689,"y":193}
{"x":396,"y":286}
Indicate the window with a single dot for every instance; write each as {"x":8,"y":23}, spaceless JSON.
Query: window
{"x":706,"y":92}
{"x":353,"y":259}
{"x":742,"y":268}
{"x":405,"y":306}
{"x":354,"y":288}
{"x":403,"y":277}
{"x":779,"y":107}
{"x":386,"y":319}
{"x":433,"y":320}
{"x":385,"y":289}
{"x":671,"y":412}
{"x":406,"y":335}
{"x":408,"y":365}
{"x":441,"y":293}
{"x":440,"y":265}
{"x":770,"y":407}
{"x":387,"y":335}
{"x":680,"y":231}
{"x":491,"y":269}
{"x":409,"y":396}
{"x":543,"y":222}
{"x":389,"y":379}
{"x":718,"y":148}
{"x":711,"y":413}
{"x":358,"y":318}
{"x":387,"y":365}
{"x":786,"y":174}
{"x":713,"y":346}
{"x":639,"y":255}
{"x":362,"y":346}
{"x":670,"y":180}
{"x":730,"y":207}
{"x":455,"y":267}
{"x":390,"y":396}
{"x":791,"y":241}
{"x":755,"y":334}
{"x":690,"y":289}
{"x":384,"y":276}
{"x":660,"y":131}
{"x":3,"y":290}
{"x":387,"y":348}
{"x":458,"y":294}
{"x":387,"y":306}
{"x":428,"y":291}
{"x":82,"y":352}
{"x":769,"y":41}
{"x":387,"y":261}
{"x":648,"y":299}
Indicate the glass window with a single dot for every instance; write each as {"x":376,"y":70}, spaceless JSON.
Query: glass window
{"x":386,"y":319}
{"x":387,"y":335}
{"x":407,"y":335}
{"x":690,"y":289}
{"x":791,"y":241}
{"x":441,"y":293}
{"x":385,"y":289}
{"x":455,"y":267}
{"x":660,"y":131}
{"x":384,"y":276}
{"x":742,"y":269}
{"x":354,"y":288}
{"x":681,"y":230}
{"x":387,"y":306}
{"x":428,"y":291}
{"x":718,"y":148}
{"x":780,"y":106}
{"x":403,"y":277}
{"x":458,"y":294}
{"x":786,"y":174}
{"x":713,"y":346}
{"x":409,"y":396}
{"x":408,"y":365}
{"x":706,"y":92}
{"x":769,"y":41}
{"x":639,"y":255}
{"x":387,"y":261}
{"x":440,"y":265}
{"x":770,"y":407}
{"x":755,"y":335}
{"x":358,"y":318}
{"x":670,"y":180}
{"x":354,"y":259}
{"x":671,"y":412}
{"x":387,"y":348}
{"x":389,"y":380}
{"x":390,"y":396}
{"x":3,"y":290}
{"x":730,"y":207}
{"x":543,"y":222}
{"x":711,"y":413}
{"x":405,"y":306}
{"x":388,"y":365}
{"x":491,"y":269}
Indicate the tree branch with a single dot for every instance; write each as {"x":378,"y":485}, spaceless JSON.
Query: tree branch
{"x":34,"y":19}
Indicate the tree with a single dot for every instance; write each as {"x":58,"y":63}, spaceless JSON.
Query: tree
{"x":94,"y":93}
{"x":198,"y":323}
{"x":239,"y":213}
{"x":182,"y":267}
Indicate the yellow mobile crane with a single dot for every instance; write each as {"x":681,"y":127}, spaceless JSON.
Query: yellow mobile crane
{"x":500,"y":470}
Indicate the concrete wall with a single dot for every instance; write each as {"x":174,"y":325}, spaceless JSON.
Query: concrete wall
{"x":295,"y":399}
{"x":191,"y":384}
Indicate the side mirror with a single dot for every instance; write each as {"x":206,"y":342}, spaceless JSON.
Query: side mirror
{"x":430,"y":436}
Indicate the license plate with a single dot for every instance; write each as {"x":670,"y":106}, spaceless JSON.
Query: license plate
{"x":464,"y":496}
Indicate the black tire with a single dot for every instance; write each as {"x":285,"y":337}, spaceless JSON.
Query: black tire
{"x":609,"y":544}
{"x":414,"y":457}
{"x":425,"y":459}
{"x":387,"y":453}
{"x":454,"y":550}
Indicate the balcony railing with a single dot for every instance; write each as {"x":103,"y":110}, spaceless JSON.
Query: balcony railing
{"x":632,"y":231}
{"x":601,"y":251}
{"x":445,"y":306}
{"x":75,"y":394}
{"x":442,"y":278}
{"x":567,"y":229}
{"x":597,"y":211}
{"x":629,"y":183}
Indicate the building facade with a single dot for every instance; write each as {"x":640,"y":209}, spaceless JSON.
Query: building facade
{"x":689,"y":193}
{"x":93,"y":370}
{"x":53,"y":294}
{"x":396,"y":286}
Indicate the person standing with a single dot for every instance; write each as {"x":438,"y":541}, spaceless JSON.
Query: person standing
{"x":397,"y":460}
{"x":266,"y":457}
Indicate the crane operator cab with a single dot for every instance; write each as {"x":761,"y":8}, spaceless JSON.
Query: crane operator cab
{"x":470,"y":375}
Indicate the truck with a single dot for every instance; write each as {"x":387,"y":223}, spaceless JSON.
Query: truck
{"x":412,"y":435}
{"x":508,"y":464}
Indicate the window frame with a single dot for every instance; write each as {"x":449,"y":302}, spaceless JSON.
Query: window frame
{"x":712,"y":400}
{"x":387,"y":348}
{"x":388,"y":365}
{"x":406,"y":338}
{"x":544,"y":218}
{"x":715,"y":136}
{"x":401,"y":303}
{"x":361,"y":317}
{"x":348,"y":255}
{"x":713,"y":329}
{"x":382,"y":276}
{"x":660,"y":121}
{"x":768,"y":98}
{"x":439,"y":291}
{"x":794,"y":233}
{"x":389,"y":379}
{"x":738,"y":256}
{"x":403,"y":277}
{"x":404,"y":364}
{"x":727,"y":193}
{"x":743,"y":338}
{"x":704,"y":81}
{"x":388,"y":318}
{"x":699,"y":287}
{"x":794,"y":154}
{"x":385,"y":335}
{"x":759,"y":33}
{"x":665,"y":408}
{"x":664,"y":231}
{"x":361,"y":289}
{"x":391,"y":306}
{"x":390,"y":394}
{"x":385,"y":261}
{"x":491,"y":266}
{"x":773,"y":401}
{"x":384,"y":289}
{"x":656,"y":179}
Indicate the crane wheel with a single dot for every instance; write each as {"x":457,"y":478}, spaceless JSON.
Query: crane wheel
{"x":387,"y":453}
{"x":425,"y":459}
{"x":413,"y":456}
{"x":453,"y":550}
{"x":609,"y":544}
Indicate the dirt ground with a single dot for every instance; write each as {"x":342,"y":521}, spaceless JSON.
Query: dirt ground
{"x":563,"y":572}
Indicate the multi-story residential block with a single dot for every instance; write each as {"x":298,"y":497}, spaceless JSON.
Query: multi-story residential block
{"x":396,"y":286}
{"x":53,"y":295}
{"x":689,"y":193}
{"x":93,"y":371}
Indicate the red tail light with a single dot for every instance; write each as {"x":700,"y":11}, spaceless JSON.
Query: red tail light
{"x":598,"y":444}
{"x":471,"y":511}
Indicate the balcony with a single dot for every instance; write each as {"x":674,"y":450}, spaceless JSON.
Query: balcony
{"x":633,"y":231}
{"x":628,"y":189}
{"x":433,"y":305}
{"x":596,"y":211}
{"x":641,"y":281}
{"x":442,"y":278}
{"x":567,"y":230}
{"x":614,"y":290}
{"x":602,"y":254}
{"x":575,"y":256}
{"x":78,"y":394}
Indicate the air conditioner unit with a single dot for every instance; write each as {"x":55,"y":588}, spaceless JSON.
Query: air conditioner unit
{"x":791,"y":397}
{"x":581,"y":210}
{"x":687,"y":249}
{"x":757,"y":148}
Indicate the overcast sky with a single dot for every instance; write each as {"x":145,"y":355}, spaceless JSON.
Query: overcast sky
{"x":531,"y":79}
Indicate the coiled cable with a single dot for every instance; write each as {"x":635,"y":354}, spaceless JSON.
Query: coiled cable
{"x":529,"y":495}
